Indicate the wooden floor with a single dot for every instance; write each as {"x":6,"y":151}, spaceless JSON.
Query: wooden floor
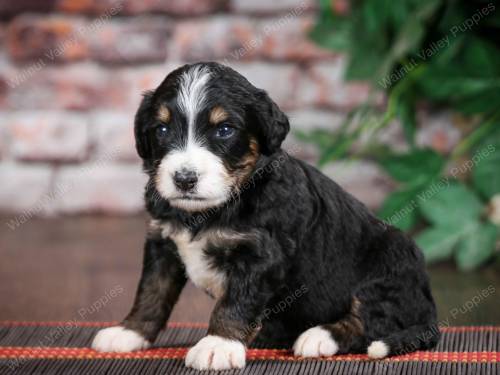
{"x":87,"y":268}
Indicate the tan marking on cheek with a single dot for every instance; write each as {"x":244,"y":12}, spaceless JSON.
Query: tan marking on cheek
{"x":247,"y":163}
{"x":254,"y":148}
{"x":236,"y":176}
{"x":250,"y":159}
{"x":217,"y":115}
{"x":163,"y":114}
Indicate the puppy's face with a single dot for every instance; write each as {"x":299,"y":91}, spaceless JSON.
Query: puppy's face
{"x":201,"y":133}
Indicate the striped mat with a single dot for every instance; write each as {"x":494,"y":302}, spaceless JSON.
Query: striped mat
{"x":63,"y":348}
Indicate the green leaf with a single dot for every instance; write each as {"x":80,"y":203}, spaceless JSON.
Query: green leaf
{"x":400,"y":208}
{"x":486,"y":173}
{"x":450,"y":204}
{"x":361,"y":68}
{"x":486,"y":133}
{"x":410,"y":36}
{"x":438,"y":243}
{"x":466,"y":75}
{"x":337,"y":150}
{"x":406,"y":113}
{"x":449,"y":85}
{"x":481,"y":58}
{"x":414,"y":167}
{"x":477,"y":246}
{"x":332,"y":35}
{"x":331,"y":30}
{"x":485,"y":102}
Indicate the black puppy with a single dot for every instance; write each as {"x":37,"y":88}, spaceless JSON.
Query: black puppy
{"x":255,"y":227}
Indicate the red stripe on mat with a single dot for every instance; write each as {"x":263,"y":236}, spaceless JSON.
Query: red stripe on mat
{"x":252,"y":354}
{"x":14,"y":323}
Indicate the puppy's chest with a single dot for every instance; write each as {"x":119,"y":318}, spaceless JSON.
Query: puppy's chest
{"x":198,"y":264}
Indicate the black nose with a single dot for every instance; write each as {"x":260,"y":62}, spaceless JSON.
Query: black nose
{"x":185,"y":180}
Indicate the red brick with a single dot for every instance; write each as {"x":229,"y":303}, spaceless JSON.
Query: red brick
{"x":324,"y":86}
{"x":12,"y":76}
{"x":279,"y":80}
{"x":102,"y":7}
{"x":2,"y":34}
{"x":47,"y":136}
{"x":131,"y":41}
{"x":144,"y":78}
{"x":52,"y":39}
{"x":310,"y":119}
{"x":113,"y":134}
{"x":78,"y":86}
{"x":173,"y":7}
{"x":4,"y":88}
{"x":3,"y":141}
{"x":215,"y":38}
{"x":271,"y":7}
{"x":239,"y":38}
{"x":24,"y":188}
{"x":100,"y":186}
{"x":12,"y":7}
{"x":286,"y":38}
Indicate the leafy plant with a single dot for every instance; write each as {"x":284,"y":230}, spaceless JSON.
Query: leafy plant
{"x":456,"y":214}
{"x":444,"y":53}
{"x":457,"y":227}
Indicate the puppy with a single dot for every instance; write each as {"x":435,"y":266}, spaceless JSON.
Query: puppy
{"x":290,"y":257}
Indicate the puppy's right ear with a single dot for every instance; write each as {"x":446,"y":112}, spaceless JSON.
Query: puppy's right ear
{"x":273,"y":123}
{"x":142,"y":118}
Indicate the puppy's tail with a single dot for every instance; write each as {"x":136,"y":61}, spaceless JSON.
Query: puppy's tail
{"x":414,"y":338}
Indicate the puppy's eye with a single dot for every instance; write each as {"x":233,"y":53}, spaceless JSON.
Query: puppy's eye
{"x":224,"y":131}
{"x":161,"y":132}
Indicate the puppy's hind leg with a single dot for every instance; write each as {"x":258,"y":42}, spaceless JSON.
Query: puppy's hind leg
{"x":398,"y":319}
{"x":328,"y":339}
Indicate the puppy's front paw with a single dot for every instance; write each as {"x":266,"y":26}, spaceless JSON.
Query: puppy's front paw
{"x":315,"y":342}
{"x":216,"y":353}
{"x":119,"y":339}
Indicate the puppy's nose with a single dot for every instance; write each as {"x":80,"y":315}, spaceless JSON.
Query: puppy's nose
{"x":185,"y":180}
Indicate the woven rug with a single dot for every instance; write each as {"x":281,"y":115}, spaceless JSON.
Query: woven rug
{"x":63,"y":348}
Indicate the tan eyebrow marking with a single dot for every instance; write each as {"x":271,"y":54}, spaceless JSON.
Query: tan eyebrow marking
{"x":163,"y":114}
{"x":217,"y":115}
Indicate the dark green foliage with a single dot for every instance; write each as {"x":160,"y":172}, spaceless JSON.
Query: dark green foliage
{"x":445,"y":53}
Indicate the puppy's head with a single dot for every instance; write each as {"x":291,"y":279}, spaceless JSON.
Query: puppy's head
{"x":202,"y":131}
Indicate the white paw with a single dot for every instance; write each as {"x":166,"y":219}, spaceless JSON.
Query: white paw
{"x":118,"y":339}
{"x":216,"y":353}
{"x":377,"y":350}
{"x":315,"y":342}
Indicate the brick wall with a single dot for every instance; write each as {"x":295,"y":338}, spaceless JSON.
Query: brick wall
{"x":72,"y":73}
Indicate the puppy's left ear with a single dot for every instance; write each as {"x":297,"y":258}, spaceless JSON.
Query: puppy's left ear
{"x":142,"y":142}
{"x":273,"y":125}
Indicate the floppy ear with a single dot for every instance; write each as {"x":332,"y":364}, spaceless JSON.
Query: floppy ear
{"x":142,"y":118}
{"x":273,"y":125}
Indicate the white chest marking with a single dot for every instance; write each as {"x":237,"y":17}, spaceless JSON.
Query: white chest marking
{"x":198,"y":268}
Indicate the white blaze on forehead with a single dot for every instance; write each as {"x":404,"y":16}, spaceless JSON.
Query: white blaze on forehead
{"x":192,"y":94}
